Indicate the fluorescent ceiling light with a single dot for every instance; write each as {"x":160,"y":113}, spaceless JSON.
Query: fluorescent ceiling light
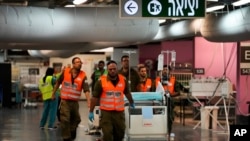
{"x":108,"y":49}
{"x":240,"y":2}
{"x":76,"y":2}
{"x":70,"y":5}
{"x":214,"y":8}
{"x":161,"y":21}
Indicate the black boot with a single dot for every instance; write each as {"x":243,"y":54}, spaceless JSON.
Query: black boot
{"x":66,"y":139}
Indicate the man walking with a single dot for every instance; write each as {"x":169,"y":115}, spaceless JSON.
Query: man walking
{"x":131,"y":75}
{"x":146,"y":83}
{"x":73,"y":81}
{"x":98,"y":72}
{"x":111,"y":89}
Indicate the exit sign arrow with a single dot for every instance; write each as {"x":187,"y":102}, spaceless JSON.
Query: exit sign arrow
{"x":131,"y":7}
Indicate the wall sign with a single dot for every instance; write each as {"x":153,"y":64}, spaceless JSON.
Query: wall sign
{"x":245,"y":60}
{"x":33,"y":71}
{"x":199,"y":71}
{"x":245,"y":55}
{"x":245,"y":71}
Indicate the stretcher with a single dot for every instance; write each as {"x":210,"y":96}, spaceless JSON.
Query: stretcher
{"x":148,"y":121}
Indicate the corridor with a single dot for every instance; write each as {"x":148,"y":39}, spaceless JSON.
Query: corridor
{"x":22,"y":124}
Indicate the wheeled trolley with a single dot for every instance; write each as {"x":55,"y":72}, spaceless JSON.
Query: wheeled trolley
{"x":94,"y":127}
{"x":30,"y":100}
{"x":148,"y":121}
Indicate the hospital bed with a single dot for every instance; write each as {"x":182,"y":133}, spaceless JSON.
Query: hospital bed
{"x":148,"y":121}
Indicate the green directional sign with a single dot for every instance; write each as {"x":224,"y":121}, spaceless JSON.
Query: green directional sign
{"x":162,"y":8}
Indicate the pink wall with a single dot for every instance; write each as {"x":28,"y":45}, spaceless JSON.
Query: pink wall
{"x":243,"y":96}
{"x":216,"y":58}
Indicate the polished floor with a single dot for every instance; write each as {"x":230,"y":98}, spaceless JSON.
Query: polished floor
{"x":22,"y":124}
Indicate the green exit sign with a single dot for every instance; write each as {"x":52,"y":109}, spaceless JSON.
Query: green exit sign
{"x":173,"y":8}
{"x":163,"y":8}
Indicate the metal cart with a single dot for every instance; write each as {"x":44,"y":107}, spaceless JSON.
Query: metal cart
{"x":30,"y":100}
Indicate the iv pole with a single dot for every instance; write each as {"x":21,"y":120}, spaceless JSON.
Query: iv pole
{"x":129,"y":52}
{"x":160,"y":68}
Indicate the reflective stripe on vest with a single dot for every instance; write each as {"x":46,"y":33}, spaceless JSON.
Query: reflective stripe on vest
{"x":112,"y":97}
{"x":46,"y":88}
{"x":146,"y":87}
{"x":71,"y":91}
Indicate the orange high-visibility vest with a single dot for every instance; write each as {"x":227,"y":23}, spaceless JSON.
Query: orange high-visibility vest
{"x":72,"y":90}
{"x":112,"y":97}
{"x":169,"y":87}
{"x":146,"y":87}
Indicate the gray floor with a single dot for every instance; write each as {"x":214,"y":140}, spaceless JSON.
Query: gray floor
{"x":22,"y":124}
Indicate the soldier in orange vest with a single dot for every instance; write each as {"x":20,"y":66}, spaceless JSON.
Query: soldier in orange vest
{"x":168,"y":82}
{"x":73,"y":81}
{"x":110,"y":90}
{"x":173,"y":87}
{"x":146,"y":83}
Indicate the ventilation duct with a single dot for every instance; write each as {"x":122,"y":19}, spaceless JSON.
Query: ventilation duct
{"x":228,"y":27}
{"x":78,"y":24}
{"x":69,"y":49}
{"x":179,"y":29}
{"x":82,"y":29}
{"x":52,"y":53}
{"x":77,"y":27}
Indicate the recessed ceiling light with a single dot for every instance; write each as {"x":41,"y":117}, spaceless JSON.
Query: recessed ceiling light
{"x":240,"y":2}
{"x":214,"y":8}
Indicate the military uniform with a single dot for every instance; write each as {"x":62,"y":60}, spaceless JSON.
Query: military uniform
{"x":70,"y":95}
{"x":134,"y":78}
{"x":175,"y":88}
{"x":112,"y":120}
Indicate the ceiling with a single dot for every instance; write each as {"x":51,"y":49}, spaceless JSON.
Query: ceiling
{"x":41,"y":26}
{"x":62,"y":3}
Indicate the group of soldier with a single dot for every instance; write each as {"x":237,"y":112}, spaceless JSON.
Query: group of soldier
{"x":109,"y":87}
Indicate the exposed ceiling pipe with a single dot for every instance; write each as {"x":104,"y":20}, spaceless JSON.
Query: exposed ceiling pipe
{"x":78,"y":24}
{"x":67,"y":50}
{"x":228,"y":27}
{"x":75,"y":29}
{"x":179,"y":29}
{"x":99,"y":29}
